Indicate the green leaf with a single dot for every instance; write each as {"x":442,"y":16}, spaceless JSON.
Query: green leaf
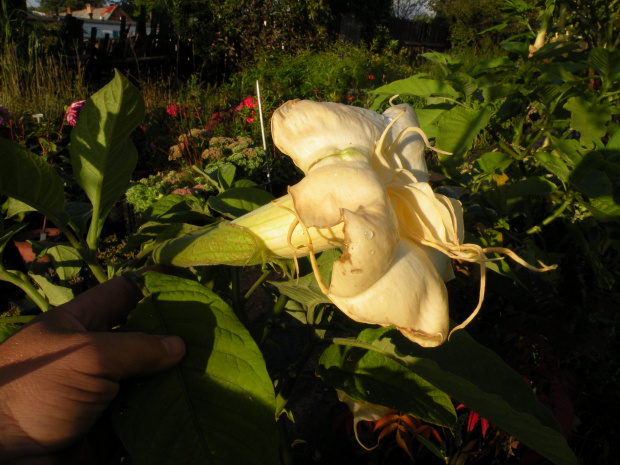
{"x":534,"y":185}
{"x":67,"y":261}
{"x":458,"y":128}
{"x":15,"y":207}
{"x":588,"y":118}
{"x":478,"y":378}
{"x":30,"y":179}
{"x":218,"y":406}
{"x":492,"y":64}
{"x":102,"y":155}
{"x":238,"y":201}
{"x":226,"y":176}
{"x":79,"y":214}
{"x":375,"y":378}
{"x":7,"y":235}
{"x":493,"y":162}
{"x":305,"y":290}
{"x":520,"y":48}
{"x":553,"y":164}
{"x":55,"y":295}
{"x":606,"y":64}
{"x":415,"y":85}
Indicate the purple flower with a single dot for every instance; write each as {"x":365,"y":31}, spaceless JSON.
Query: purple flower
{"x":74,"y":111}
{"x":5,"y":116}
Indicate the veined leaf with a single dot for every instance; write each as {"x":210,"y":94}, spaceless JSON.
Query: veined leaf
{"x":588,"y":118}
{"x":415,"y":85}
{"x":55,"y":295}
{"x":457,"y":130}
{"x":30,"y":179}
{"x":218,"y":406}
{"x":102,"y":155}
{"x":375,"y":378}
{"x":478,"y":378}
{"x":238,"y":201}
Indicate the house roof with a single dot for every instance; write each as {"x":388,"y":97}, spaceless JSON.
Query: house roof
{"x":103,"y":13}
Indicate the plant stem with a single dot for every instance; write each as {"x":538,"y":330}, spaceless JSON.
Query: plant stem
{"x":84,"y":251}
{"x":256,"y":284}
{"x":20,"y":280}
{"x":550,"y":218}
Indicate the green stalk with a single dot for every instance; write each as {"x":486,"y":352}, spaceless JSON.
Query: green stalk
{"x":20,"y":280}
{"x":256,"y":284}
{"x":85,"y":252}
{"x":550,"y":218}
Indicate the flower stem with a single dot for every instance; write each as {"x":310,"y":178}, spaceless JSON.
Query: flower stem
{"x":20,"y":280}
{"x":550,"y":218}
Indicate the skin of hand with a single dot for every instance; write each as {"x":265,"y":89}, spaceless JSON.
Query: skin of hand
{"x":59,"y":372}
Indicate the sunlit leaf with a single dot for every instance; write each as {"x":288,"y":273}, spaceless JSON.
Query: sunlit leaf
{"x":30,"y":179}
{"x":102,"y":155}
{"x":218,"y":406}
{"x":238,"y":201}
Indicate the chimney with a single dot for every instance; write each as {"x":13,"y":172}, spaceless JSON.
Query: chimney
{"x":89,"y":10}
{"x":68,"y":10}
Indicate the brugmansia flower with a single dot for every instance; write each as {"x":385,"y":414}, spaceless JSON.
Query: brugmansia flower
{"x":365,"y":191}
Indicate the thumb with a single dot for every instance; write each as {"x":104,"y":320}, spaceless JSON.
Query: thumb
{"x":130,"y":355}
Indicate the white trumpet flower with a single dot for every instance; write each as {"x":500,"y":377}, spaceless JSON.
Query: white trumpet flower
{"x":366,"y":191}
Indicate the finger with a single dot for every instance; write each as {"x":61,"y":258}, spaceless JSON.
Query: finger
{"x":129,"y":355}
{"x":105,"y":305}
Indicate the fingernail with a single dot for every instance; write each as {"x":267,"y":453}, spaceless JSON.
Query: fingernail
{"x":173,"y":344}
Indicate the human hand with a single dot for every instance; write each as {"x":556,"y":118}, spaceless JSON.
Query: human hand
{"x":59,"y":373}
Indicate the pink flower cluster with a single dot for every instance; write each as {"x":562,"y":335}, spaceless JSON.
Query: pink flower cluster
{"x":248,"y":102}
{"x":74,"y":111}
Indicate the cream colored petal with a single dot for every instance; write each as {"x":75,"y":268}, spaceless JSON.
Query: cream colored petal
{"x":441,"y":262}
{"x":401,"y":153}
{"x":342,"y":191}
{"x":308,"y":131}
{"x":423,"y":214}
{"x":410,"y":295}
{"x":363,"y":411}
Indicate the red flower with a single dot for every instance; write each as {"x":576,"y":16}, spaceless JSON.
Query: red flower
{"x":370,"y":76}
{"x":351,"y":97}
{"x":173,"y":109}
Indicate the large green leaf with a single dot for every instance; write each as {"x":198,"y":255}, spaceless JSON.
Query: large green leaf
{"x":238,"y":201}
{"x":606,"y":64}
{"x":102,"y":155}
{"x":457,"y":129}
{"x":30,"y":179}
{"x":477,"y":377}
{"x":218,"y":406}
{"x":375,"y":378}
{"x":590,"y":119}
{"x":415,"y":85}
